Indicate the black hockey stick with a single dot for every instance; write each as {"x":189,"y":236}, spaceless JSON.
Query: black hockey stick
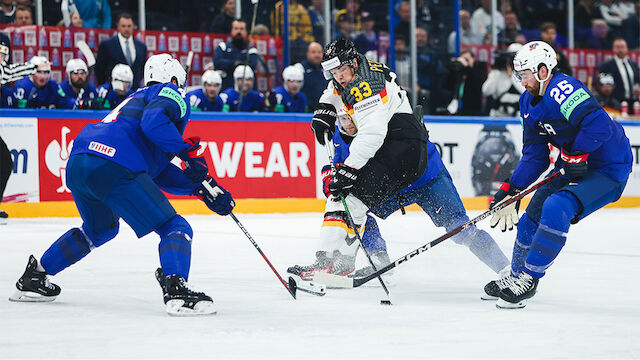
{"x":328,"y":146}
{"x":345,"y":282}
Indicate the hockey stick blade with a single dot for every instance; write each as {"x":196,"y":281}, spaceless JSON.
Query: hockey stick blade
{"x":307,"y":286}
{"x":333,"y":281}
{"x":86,"y":51}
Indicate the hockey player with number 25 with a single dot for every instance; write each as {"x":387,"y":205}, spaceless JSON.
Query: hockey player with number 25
{"x":595,"y":155}
{"x":116,"y":170}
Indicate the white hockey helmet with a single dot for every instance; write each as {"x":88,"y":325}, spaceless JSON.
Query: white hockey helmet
{"x":163,"y":68}
{"x":242,"y":71}
{"x":41,"y":62}
{"x":211,"y":77}
{"x":533,"y":55}
{"x":74,"y":65}
{"x":122,"y":72}
{"x":292,"y":73}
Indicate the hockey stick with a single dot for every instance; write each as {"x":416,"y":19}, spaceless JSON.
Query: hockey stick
{"x":291,"y":286}
{"x":91,"y":61}
{"x":187,"y":67}
{"x":246,"y":60}
{"x":340,"y":281}
{"x":330,"y":152}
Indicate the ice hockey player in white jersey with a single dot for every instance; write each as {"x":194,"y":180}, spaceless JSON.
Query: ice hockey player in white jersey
{"x":388,"y":153}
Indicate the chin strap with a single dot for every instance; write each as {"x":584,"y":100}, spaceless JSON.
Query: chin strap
{"x":541,"y":91}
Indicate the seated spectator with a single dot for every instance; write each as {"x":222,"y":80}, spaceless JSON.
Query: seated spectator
{"x":548,"y":34}
{"x":95,"y":14}
{"x":317,"y":21}
{"x":467,"y":36}
{"x":112,"y":93}
{"x":511,"y":29}
{"x":381,"y":54}
{"x":624,"y":72}
{"x":430,"y":71}
{"x":221,"y":23}
{"x":241,"y":97}
{"x":76,"y":91}
{"x":70,"y":14}
{"x":344,"y":27}
{"x":23,"y":16}
{"x":353,"y":15}
{"x":368,"y":38}
{"x":598,"y":38}
{"x":300,"y":29}
{"x":403,"y":65}
{"x":261,"y":30}
{"x":228,"y":55}
{"x":314,"y":82}
{"x":8,"y":11}
{"x":207,"y":98}
{"x":287,"y":97}
{"x":481,"y":18}
{"x":464,"y":80}
{"x":37,"y":91}
{"x":404,"y":14}
{"x":605,"y":95}
{"x":501,"y":88}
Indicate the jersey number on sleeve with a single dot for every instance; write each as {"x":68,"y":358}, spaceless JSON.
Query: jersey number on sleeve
{"x":366,"y":91}
{"x":561,"y":91}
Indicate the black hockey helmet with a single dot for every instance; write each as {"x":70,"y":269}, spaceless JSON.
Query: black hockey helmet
{"x":339,"y":52}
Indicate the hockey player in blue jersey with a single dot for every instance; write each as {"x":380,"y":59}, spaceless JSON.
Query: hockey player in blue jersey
{"x":595,"y":155}
{"x":288,"y":97}
{"x":116,"y":169}
{"x":207,"y":98}
{"x":115,"y":90}
{"x":434,"y":192}
{"x":249,"y":100}
{"x":37,"y":91}
{"x":76,"y":90}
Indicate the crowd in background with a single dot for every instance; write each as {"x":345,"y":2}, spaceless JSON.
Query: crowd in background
{"x":447,"y":84}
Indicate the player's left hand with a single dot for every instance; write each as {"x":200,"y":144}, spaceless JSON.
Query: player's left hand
{"x":196,"y":165}
{"x":221,"y":202}
{"x":343,"y":180}
{"x":574,"y":164}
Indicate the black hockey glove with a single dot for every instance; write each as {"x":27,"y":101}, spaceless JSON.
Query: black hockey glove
{"x":574,"y":164}
{"x":196,"y":165}
{"x":324,"y":120}
{"x":506,"y":217}
{"x":221,"y":202}
{"x":343,"y":180}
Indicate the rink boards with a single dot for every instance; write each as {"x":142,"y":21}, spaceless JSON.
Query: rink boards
{"x":269,"y":162}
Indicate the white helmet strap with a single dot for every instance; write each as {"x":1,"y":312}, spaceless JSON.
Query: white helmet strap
{"x":541,"y":90}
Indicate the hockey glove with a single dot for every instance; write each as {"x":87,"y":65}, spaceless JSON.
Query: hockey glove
{"x":327,"y":176}
{"x":196,"y":165}
{"x":343,"y":181}
{"x":220,"y":202}
{"x":324,"y":120}
{"x":506,"y":217}
{"x":574,"y":164}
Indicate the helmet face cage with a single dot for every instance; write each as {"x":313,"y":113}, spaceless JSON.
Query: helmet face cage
{"x":338,"y":53}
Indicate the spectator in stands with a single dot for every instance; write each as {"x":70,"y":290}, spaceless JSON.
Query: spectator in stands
{"x":314,"y":82}
{"x":122,"y":48}
{"x":261,"y":30}
{"x":287,"y":97}
{"x":37,"y":91}
{"x":368,"y":38}
{"x":207,"y":98}
{"x":613,"y":14}
{"x":70,"y":14}
{"x":464,"y":80}
{"x":228,"y":55}
{"x":317,"y":20}
{"x":548,"y":34}
{"x":381,"y":54}
{"x":481,"y":18}
{"x":605,"y":94}
{"x":344,"y":27}
{"x":430,"y":70}
{"x":113,"y":92}
{"x":221,"y":23}
{"x":624,"y":72}
{"x":467,"y":36}
{"x":300,"y":29}
{"x":24,"y":16}
{"x":404,"y":14}
{"x":511,"y":29}
{"x":95,"y":14}
{"x":403,"y":65}
{"x":584,"y":12}
{"x":241,"y":97}
{"x":501,"y":88}
{"x":353,"y":15}
{"x":77,"y":91}
{"x":8,"y":11}
{"x":598,"y":38}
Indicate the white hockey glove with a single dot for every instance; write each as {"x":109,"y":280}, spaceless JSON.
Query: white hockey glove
{"x":506,"y":217}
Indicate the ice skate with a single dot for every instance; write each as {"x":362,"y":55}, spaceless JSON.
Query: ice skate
{"x":341,"y":265}
{"x":180,"y":299}
{"x":380,"y":259}
{"x":518,"y":290}
{"x":493,"y":287}
{"x":34,"y":285}
{"x":3,"y":217}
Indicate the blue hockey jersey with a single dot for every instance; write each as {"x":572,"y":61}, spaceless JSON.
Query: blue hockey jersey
{"x":281,"y":101}
{"x":200,"y":102}
{"x":568,"y":116}
{"x":6,"y":101}
{"x":434,"y":160}
{"x":252,"y":101}
{"x":27,"y":95}
{"x":69,"y":96}
{"x":113,"y":99}
{"x":143,"y":133}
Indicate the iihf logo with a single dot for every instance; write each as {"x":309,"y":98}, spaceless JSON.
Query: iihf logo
{"x":56,"y":156}
{"x":533,"y":46}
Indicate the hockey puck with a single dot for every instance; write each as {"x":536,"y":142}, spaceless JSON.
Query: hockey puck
{"x":385,"y":302}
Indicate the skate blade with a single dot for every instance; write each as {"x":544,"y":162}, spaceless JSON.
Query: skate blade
{"x":309,"y":286}
{"x":28,"y":296}
{"x":175,"y":308}
{"x":501,"y":304}
{"x":486,"y":297}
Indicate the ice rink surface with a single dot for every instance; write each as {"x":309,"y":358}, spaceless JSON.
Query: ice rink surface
{"x":588,"y":306}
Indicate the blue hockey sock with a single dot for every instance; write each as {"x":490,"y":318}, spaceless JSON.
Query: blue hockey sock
{"x":372,"y":238}
{"x":526,"y":230}
{"x":175,"y":247}
{"x":485,"y":248}
{"x":66,"y":251}
{"x":557,"y":212}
